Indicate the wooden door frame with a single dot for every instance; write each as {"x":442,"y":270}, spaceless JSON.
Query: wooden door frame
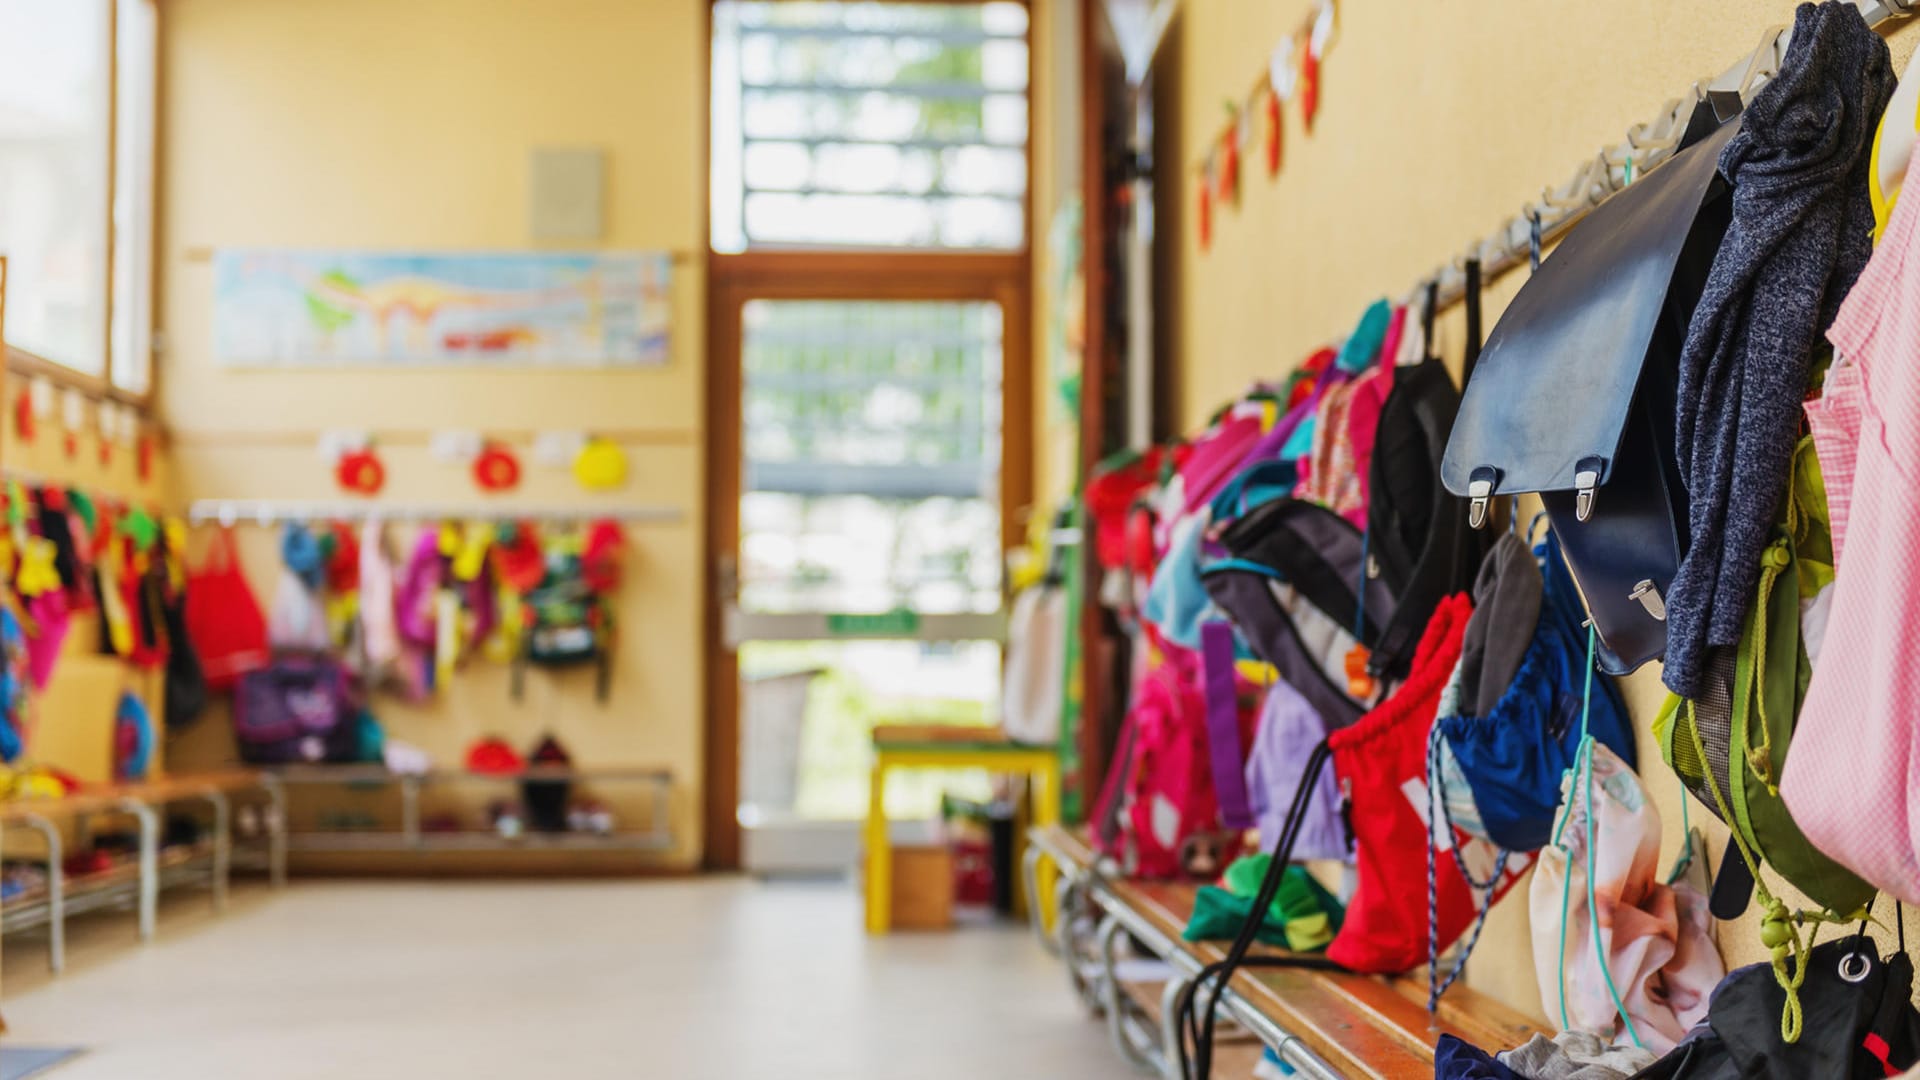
{"x":732,"y":280}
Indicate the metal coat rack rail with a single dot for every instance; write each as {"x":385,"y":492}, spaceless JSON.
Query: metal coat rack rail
{"x":1646,"y":147}
{"x":273,"y":511}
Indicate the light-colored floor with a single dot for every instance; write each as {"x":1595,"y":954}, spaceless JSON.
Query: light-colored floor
{"x":694,"y":978}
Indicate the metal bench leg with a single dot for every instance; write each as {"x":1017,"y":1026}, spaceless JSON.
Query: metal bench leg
{"x":149,"y":864}
{"x":1072,"y":945}
{"x":222,"y":845}
{"x":1171,"y":1037}
{"x":1109,"y":937}
{"x":276,"y":829}
{"x":56,"y":892}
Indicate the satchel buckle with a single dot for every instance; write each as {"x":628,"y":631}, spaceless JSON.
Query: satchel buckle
{"x":1586,"y":484}
{"x":1649,"y":596}
{"x":1479,"y":494}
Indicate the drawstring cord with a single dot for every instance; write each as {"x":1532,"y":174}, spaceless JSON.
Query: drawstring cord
{"x":1779,"y":929}
{"x":1583,"y":766}
{"x":1438,"y":812}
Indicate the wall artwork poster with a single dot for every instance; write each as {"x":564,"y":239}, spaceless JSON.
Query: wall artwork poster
{"x":302,"y":308}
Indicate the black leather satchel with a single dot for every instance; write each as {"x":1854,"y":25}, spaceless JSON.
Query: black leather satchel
{"x":1573,"y":396}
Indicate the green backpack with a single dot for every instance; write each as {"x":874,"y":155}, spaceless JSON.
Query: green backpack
{"x":1729,"y":744}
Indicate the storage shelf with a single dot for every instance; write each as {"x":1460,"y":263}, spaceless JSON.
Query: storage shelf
{"x":412,"y":837}
{"x":477,"y":840}
{"x":380,"y":774}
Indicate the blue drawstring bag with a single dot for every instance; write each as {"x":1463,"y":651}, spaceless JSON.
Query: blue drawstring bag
{"x":1499,"y":772}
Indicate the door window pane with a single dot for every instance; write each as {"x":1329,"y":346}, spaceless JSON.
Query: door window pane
{"x":869,"y":124}
{"x":872,"y":456}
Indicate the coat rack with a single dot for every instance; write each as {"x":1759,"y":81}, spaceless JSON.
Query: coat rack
{"x":1647,"y":146}
{"x":273,"y":511}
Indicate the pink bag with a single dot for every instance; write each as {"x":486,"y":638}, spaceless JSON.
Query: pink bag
{"x":1654,"y":941}
{"x":419,"y":586}
{"x":1159,"y":792}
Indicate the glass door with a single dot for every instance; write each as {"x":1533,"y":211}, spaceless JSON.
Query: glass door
{"x":868,"y":586}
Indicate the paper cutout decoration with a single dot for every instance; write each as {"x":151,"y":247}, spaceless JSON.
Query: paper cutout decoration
{"x":1229,"y":171}
{"x":360,"y":472}
{"x":1309,"y":87}
{"x":1206,"y":213}
{"x":143,"y":458}
{"x":23,"y":424}
{"x":455,"y":447}
{"x":1276,"y":127}
{"x":496,"y":469}
{"x":600,"y":466}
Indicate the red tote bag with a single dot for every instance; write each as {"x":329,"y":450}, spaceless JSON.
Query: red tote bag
{"x":223,"y":617}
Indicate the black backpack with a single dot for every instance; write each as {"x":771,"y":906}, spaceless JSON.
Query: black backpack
{"x":1418,"y":540}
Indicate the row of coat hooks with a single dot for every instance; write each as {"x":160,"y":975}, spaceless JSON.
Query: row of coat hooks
{"x":268,"y":512}
{"x":1646,"y":146}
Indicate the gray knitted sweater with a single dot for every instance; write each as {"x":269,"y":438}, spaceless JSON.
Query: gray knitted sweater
{"x":1801,"y":233}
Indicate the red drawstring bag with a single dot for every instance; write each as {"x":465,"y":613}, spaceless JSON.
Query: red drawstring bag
{"x":223,"y":617}
{"x":1381,"y":763}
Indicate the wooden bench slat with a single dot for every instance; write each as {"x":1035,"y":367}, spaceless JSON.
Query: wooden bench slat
{"x":1362,"y":1025}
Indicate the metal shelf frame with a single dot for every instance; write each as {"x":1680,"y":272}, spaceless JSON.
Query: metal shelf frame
{"x":413,"y":837}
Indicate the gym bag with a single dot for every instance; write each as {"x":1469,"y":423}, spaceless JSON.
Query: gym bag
{"x":566,"y":625}
{"x":1575,"y":390}
{"x":1292,"y":583}
{"x":1641,"y":949}
{"x":1289,"y":730}
{"x":1508,"y":761}
{"x":1158,"y":795}
{"x":1418,"y":542}
{"x":1859,"y":1022}
{"x":223,"y":619}
{"x":1381,"y":766}
{"x":296,"y":709}
{"x":1731,"y":744}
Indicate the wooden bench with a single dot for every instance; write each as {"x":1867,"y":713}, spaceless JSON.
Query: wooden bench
{"x":140,"y":880}
{"x":1325,"y":1024}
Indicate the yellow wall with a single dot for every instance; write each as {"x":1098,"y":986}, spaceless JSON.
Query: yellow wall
{"x":1436,"y":123}
{"x":383,"y":125}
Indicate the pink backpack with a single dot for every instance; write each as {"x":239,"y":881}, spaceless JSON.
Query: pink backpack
{"x":1158,"y":796}
{"x":425,"y":572}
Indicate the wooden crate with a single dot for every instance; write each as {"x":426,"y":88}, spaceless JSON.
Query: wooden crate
{"x":923,"y":888}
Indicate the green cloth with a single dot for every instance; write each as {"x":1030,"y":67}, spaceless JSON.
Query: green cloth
{"x":1302,"y":917}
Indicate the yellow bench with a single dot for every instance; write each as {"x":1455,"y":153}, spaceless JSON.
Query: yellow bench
{"x":944,"y":746}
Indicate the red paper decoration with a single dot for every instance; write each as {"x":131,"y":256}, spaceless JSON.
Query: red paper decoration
{"x":1206,"y":214}
{"x":105,"y":450}
{"x":496,"y":469}
{"x":1230,"y":164}
{"x":1309,"y":86}
{"x":143,"y":458}
{"x":71,"y":443}
{"x":360,"y":472}
{"x":1275,"y":132}
{"x":23,"y":415}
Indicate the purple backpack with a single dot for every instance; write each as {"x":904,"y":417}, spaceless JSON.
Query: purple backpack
{"x":1289,"y":730}
{"x":296,"y":709}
